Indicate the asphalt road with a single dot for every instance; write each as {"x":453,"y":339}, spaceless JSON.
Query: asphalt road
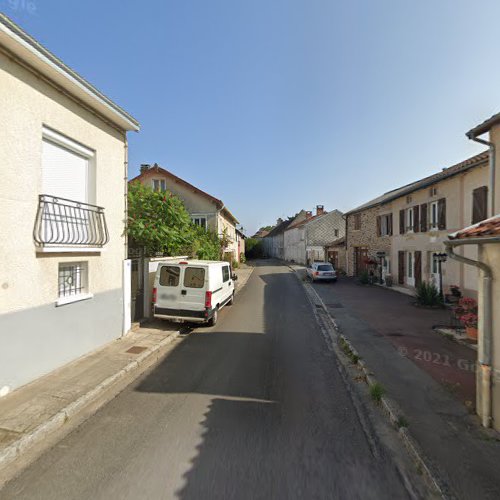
{"x":252,"y":408}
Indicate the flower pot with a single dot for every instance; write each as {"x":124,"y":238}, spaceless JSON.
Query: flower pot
{"x":471,"y":332}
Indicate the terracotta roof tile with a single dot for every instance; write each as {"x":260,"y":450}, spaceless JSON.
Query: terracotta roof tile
{"x":488,"y":227}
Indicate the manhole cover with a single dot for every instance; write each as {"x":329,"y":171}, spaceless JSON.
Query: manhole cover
{"x":136,"y":349}
{"x":335,"y":306}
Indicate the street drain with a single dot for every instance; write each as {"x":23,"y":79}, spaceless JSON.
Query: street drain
{"x":136,"y":349}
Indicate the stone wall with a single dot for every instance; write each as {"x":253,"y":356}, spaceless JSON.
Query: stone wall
{"x":366,"y":236}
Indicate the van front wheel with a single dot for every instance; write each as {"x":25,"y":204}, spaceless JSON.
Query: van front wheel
{"x":231,"y":300}
{"x":213,"y":320}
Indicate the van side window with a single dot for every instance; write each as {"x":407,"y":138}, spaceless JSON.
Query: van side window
{"x":194,"y":277}
{"x":169,"y":275}
{"x":225,"y":273}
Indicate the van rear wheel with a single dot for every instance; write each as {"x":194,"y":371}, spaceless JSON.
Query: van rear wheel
{"x":213,"y":320}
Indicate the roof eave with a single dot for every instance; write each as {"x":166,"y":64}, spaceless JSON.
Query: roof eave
{"x":21,"y":45}
{"x":484,"y":127}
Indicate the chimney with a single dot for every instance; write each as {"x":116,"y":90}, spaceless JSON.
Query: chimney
{"x":309,"y":215}
{"x":320,"y":209}
{"x":144,"y":167}
{"x":279,"y":221}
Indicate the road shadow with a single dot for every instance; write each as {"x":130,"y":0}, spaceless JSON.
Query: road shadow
{"x":278,"y":422}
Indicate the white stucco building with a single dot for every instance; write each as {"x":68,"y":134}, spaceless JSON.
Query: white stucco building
{"x":62,"y":210}
{"x":305,"y":240}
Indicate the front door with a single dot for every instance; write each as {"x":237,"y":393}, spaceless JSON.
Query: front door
{"x":433,"y":270}
{"x":360,"y":257}
{"x":410,"y":269}
{"x":333,"y":258}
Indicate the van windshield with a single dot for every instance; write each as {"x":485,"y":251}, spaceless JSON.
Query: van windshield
{"x":169,"y":275}
{"x":194,"y":277}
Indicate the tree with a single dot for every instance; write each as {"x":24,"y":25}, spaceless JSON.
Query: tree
{"x":159,"y":223}
{"x":254,"y":248}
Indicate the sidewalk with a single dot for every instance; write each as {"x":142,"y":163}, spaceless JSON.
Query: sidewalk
{"x":36,"y":416}
{"x":428,"y":376}
{"x":243,"y":272}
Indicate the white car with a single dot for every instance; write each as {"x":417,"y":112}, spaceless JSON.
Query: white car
{"x":192,"y":290}
{"x":321,"y":271}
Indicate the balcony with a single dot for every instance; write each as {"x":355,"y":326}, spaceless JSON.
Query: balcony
{"x":69,"y":225}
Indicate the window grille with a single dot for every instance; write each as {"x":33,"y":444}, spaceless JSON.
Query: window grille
{"x":72,"y":279}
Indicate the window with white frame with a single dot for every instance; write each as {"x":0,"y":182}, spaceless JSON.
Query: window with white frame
{"x":410,"y":265}
{"x":409,"y":219}
{"x":386,"y":225}
{"x":72,"y":279}
{"x":200,"y":221}
{"x":433,"y":215}
{"x":68,"y":168}
{"x":159,"y":185}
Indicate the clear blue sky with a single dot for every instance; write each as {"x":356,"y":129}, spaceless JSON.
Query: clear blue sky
{"x":278,"y":105}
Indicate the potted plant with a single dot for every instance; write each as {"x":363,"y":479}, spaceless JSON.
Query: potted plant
{"x":467,"y":314}
{"x":470,"y":322}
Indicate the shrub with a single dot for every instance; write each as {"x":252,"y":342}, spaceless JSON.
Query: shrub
{"x":235,"y":264}
{"x":402,"y":422}
{"x":254,"y":248}
{"x":376,"y":392}
{"x":242,"y":258}
{"x":364,"y":278}
{"x":428,"y":295}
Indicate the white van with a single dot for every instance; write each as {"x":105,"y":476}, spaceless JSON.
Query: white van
{"x":192,"y":290}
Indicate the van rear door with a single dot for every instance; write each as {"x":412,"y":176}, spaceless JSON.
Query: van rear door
{"x":193,"y":288}
{"x":168,"y":290}
{"x":227,"y":289}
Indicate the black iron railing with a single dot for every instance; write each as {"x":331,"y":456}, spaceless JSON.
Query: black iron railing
{"x":62,"y":222}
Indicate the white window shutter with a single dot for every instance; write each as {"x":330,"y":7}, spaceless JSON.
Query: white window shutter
{"x":64,"y":173}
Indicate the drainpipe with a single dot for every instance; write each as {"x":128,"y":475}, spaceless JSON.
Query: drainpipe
{"x":484,"y":356}
{"x":492,"y":170}
{"x":125,"y":184}
{"x":344,"y":216}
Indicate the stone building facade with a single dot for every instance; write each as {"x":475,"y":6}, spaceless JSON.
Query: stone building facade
{"x":366,"y":239}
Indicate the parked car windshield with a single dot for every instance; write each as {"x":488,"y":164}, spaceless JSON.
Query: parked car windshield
{"x":325,"y":267}
{"x":169,"y":275}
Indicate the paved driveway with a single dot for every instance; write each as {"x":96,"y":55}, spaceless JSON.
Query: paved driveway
{"x":427,"y":375}
{"x":392,"y":316}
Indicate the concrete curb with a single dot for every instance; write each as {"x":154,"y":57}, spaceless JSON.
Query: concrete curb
{"x":65,"y":416}
{"x":390,"y":410}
